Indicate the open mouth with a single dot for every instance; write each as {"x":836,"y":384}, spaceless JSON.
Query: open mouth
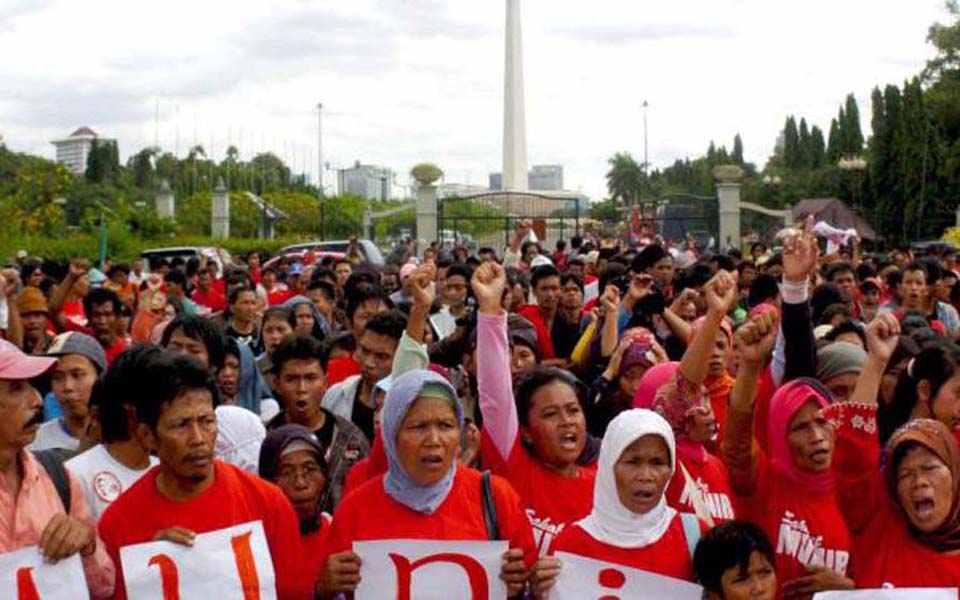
{"x":432,"y":462}
{"x":644,"y":496}
{"x":820,"y":456}
{"x":568,"y":441}
{"x":198,"y":460}
{"x":924,"y":508}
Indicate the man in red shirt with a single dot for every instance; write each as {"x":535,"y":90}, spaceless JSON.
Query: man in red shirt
{"x":205,"y":295}
{"x":545,"y":281}
{"x":189,"y":492}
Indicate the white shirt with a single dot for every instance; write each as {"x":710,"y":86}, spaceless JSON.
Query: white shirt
{"x":102,"y":477}
{"x":53,"y":434}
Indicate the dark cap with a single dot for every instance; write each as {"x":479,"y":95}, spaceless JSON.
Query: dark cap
{"x":74,"y":342}
{"x":278,"y":440}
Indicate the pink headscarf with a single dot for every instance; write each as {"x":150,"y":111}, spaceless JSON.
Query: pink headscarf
{"x":664,"y":391}
{"x":784,"y":404}
{"x":725,"y":327}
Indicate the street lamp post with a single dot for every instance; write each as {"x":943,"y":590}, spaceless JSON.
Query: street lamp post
{"x":323,"y":225}
{"x":645,"y":157}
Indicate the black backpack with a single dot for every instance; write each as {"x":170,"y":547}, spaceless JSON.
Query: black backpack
{"x":52,"y":460}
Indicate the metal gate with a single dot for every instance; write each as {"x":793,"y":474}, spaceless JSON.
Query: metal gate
{"x":675,"y":216}
{"x":489,"y":219}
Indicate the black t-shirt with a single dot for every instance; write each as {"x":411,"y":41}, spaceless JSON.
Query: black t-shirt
{"x":325,"y":433}
{"x":362,"y":415}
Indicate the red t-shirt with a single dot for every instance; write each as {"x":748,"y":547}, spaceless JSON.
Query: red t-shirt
{"x":315,"y":549}
{"x":278,"y":296}
{"x":805,"y":528}
{"x":212,"y":300}
{"x":705,"y":485}
{"x":884,"y":550}
{"x":119,"y":345}
{"x":669,"y":556}
{"x":341,"y":368}
{"x":532,"y":313}
{"x":75,"y":315}
{"x":552,"y":500}
{"x":235,"y":497}
{"x":368,"y":513}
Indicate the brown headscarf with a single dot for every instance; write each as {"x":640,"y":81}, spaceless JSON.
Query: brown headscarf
{"x":935,"y":437}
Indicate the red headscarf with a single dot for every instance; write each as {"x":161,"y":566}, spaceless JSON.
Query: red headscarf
{"x":784,"y":405}
{"x":665,"y":391}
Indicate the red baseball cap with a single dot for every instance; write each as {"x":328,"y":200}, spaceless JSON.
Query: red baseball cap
{"x":15,"y":365}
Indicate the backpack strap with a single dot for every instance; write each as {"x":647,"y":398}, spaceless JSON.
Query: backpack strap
{"x":52,"y":461}
{"x":489,"y":507}
{"x":691,"y":530}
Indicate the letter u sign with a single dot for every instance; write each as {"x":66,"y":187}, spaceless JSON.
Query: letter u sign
{"x":476,"y":574}
{"x":242,"y":557}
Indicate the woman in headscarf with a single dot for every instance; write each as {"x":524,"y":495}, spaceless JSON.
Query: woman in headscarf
{"x":614,"y":389}
{"x":425,"y":493}
{"x":536,"y":441}
{"x":718,"y":382}
{"x":904,"y":517}
{"x":239,"y":435}
{"x":305,"y":317}
{"x":790,"y":494}
{"x":631,"y":523}
{"x":293,"y":458}
{"x":675,"y":391}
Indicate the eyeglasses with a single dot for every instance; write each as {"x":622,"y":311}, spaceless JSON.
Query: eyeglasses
{"x":307,"y":471}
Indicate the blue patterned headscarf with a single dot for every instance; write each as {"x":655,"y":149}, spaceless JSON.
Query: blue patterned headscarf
{"x":397,"y":483}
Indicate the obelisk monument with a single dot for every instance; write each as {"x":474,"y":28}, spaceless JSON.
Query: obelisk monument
{"x":514,"y":112}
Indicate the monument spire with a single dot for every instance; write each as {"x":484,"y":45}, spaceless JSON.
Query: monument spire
{"x":514,"y":112}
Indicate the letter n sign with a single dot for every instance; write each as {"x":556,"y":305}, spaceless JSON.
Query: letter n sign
{"x":429,"y":569}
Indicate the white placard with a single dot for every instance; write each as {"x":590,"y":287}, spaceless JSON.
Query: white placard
{"x":582,"y":577}
{"x":24,"y":575}
{"x":892,"y":594}
{"x":430,"y":570}
{"x":229,"y":563}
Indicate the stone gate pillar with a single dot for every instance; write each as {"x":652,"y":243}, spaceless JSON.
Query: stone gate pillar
{"x":728,"y":201}
{"x":166,"y":202}
{"x":426,"y":215}
{"x":220,"y":212}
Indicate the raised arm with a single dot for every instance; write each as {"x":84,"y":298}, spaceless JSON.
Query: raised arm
{"x":755,"y":341}
{"x":610,"y":303}
{"x":412,"y":352}
{"x":856,"y":459}
{"x":78,"y":268}
{"x":720,"y":295}
{"x":8,"y":290}
{"x":493,"y":359}
{"x":800,"y":253}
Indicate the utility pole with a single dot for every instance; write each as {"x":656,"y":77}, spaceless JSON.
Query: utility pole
{"x":320,"y":151}
{"x":645,"y":158}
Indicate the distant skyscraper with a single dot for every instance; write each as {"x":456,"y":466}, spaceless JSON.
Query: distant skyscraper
{"x":546,"y":177}
{"x":366,"y":181}
{"x":73,"y":151}
{"x":496,"y":181}
{"x":514,"y":112}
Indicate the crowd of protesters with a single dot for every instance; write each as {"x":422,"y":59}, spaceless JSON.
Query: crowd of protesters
{"x":768,"y":425}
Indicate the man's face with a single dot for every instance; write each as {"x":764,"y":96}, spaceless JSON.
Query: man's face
{"x":185,"y":436}
{"x":204,"y":281}
{"x":34,"y":324}
{"x":575,"y":269}
{"x":103,"y":321}
{"x":274,"y":330}
{"x":572,"y":298}
{"x":364,"y":313}
{"x":548,"y":292}
{"x":73,"y":379}
{"x":455,"y":290}
{"x":871,"y":297}
{"x":21,"y":413}
{"x":181,"y":344}
{"x":301,"y":385}
{"x":390,"y":282}
{"x":137,"y":266}
{"x":846,"y":282}
{"x":944,"y":287}
{"x":269,"y":279}
{"x":245,"y":308}
{"x":487,"y":257}
{"x":913,"y":289}
{"x":375,"y":355}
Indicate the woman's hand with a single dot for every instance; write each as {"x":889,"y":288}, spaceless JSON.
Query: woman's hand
{"x":544,"y":576}
{"x":489,"y":281}
{"x":684,"y":297}
{"x":721,"y":292}
{"x":755,"y":339}
{"x":883,"y":335}
{"x":610,"y":300}
{"x":613,"y":368}
{"x":514,"y":572}
{"x":422,"y":285}
{"x":341,"y":573}
{"x":818,"y":579}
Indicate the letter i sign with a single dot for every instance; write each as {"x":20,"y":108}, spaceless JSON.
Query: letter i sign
{"x":229,"y":563}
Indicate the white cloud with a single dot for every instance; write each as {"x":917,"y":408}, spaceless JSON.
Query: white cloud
{"x":412,"y":80}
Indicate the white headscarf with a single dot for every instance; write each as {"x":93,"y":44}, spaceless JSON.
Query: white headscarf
{"x":240,"y":434}
{"x":610,"y":521}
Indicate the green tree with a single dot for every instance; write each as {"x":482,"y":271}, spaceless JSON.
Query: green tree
{"x":850,"y":131}
{"x":816,"y":152}
{"x":792,"y":155}
{"x":803,"y":160}
{"x":737,"y":156}
{"x":625,"y":178}
{"x":834,"y":144}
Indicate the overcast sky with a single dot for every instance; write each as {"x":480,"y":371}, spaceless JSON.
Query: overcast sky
{"x":406,"y":81}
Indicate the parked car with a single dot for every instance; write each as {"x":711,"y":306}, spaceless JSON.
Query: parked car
{"x":295,"y":256}
{"x":367,"y":248}
{"x":221,"y":256}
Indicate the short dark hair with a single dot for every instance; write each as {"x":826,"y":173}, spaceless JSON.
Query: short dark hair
{"x":763,"y":288}
{"x":118,"y":268}
{"x":98,"y":296}
{"x":727,"y":546}
{"x":338,"y":340}
{"x":648,"y":257}
{"x":171,"y":375}
{"x":323,"y":273}
{"x":297,"y":347}
{"x":326,"y":287}
{"x":823,"y":296}
{"x":839,"y":269}
{"x":561,"y":245}
{"x":120,"y":388}
{"x":461,"y":270}
{"x":568,"y":277}
{"x":390,"y":323}
{"x":532,"y":381}
{"x":487,"y":250}
{"x":542,"y":272}
{"x":363,"y":293}
{"x":278,"y":313}
{"x":847,"y":326}
{"x":202,"y":330}
{"x":724,"y":262}
{"x":234,"y":295}
{"x":177,"y":277}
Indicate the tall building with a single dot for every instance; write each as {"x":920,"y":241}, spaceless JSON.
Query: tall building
{"x":366,"y":181}
{"x":546,"y":177}
{"x":73,"y":151}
